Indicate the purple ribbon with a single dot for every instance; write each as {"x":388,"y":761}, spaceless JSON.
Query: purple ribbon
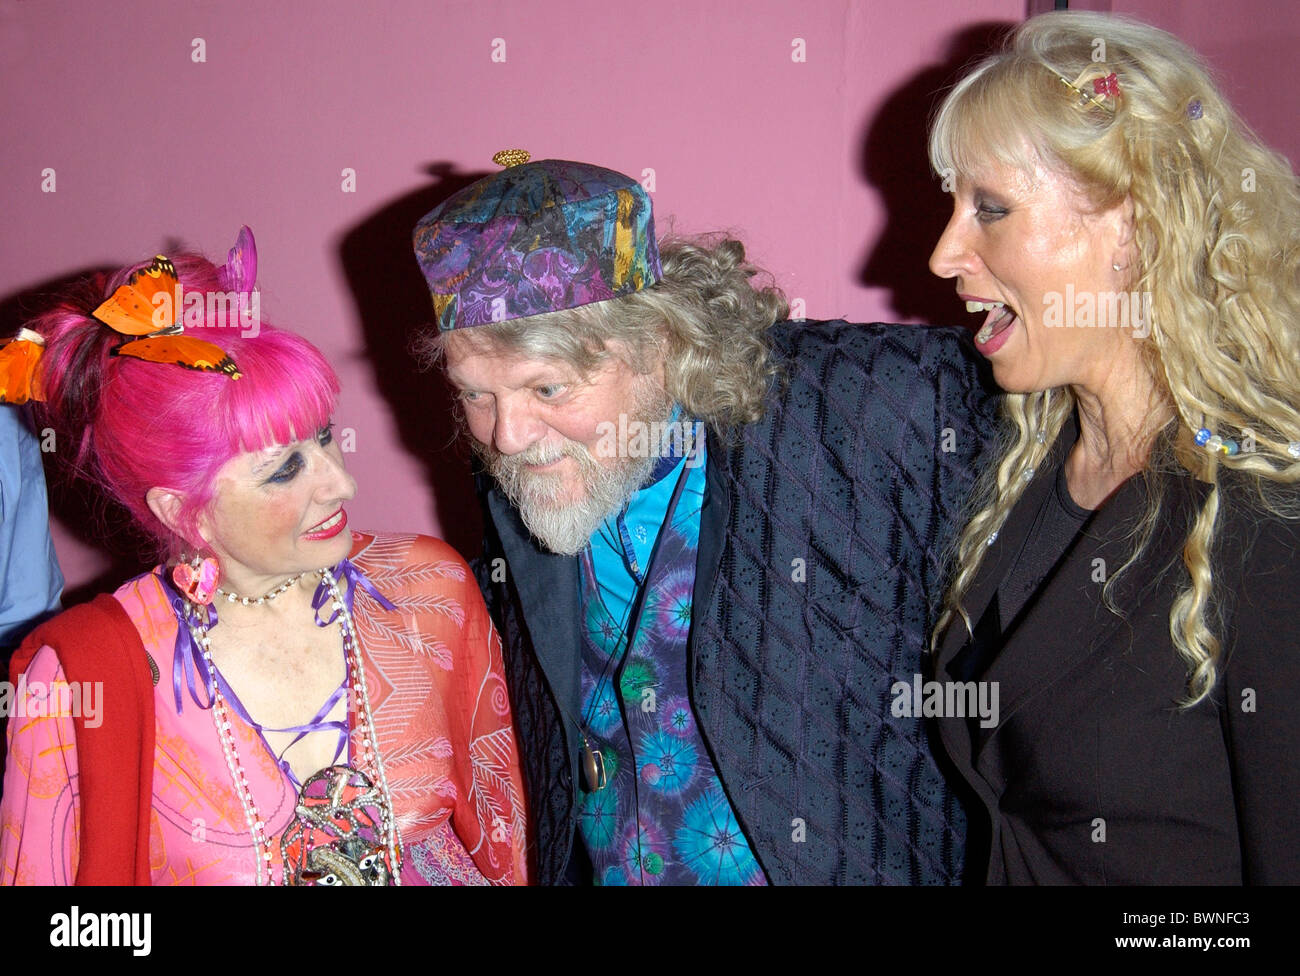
{"x":188,"y":666}
{"x":354,"y":578}
{"x":188,"y":656}
{"x":317,"y":724}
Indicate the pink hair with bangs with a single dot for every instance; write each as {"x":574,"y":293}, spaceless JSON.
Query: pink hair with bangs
{"x":140,"y":425}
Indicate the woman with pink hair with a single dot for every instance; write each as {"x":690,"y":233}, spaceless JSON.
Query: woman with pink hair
{"x":280,"y":700}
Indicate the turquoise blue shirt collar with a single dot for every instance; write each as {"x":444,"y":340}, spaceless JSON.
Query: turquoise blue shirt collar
{"x":621,"y":547}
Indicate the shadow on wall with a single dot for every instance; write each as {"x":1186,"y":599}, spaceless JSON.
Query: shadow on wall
{"x":95,"y":521}
{"x":893,"y":160}
{"x":393,"y":305}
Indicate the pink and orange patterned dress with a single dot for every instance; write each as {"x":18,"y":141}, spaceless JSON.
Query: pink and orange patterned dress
{"x":438,"y":698}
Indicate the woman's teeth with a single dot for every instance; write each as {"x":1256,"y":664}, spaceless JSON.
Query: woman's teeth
{"x":1000,"y":319}
{"x":329,"y":523}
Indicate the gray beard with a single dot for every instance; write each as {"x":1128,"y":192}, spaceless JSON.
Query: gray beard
{"x":566,"y":528}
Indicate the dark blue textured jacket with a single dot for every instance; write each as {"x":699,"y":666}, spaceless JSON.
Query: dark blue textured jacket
{"x":820,"y":561}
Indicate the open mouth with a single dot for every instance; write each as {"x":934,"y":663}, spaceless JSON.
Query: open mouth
{"x":999,"y":319}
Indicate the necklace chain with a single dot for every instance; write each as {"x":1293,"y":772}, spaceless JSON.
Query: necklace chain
{"x":249,"y":601}
{"x":369,"y":744}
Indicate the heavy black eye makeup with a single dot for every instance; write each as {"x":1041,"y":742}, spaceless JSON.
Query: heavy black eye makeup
{"x":294,"y":463}
{"x":288,"y":470}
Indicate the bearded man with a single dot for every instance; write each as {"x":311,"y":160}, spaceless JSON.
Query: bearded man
{"x":713,"y":542}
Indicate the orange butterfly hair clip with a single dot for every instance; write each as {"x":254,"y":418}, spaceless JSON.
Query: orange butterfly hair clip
{"x":132,"y":311}
{"x":20,"y":380}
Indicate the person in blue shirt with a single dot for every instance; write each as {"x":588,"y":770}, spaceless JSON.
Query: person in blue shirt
{"x":712,"y":540}
{"x":30,"y":580}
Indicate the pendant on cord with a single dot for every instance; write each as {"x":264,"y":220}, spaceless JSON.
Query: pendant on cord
{"x":593,"y":767}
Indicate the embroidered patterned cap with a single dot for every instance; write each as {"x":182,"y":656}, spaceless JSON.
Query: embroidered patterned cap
{"x":534,"y":238}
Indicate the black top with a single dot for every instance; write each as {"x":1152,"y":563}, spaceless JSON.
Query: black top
{"x":1091,"y":773}
{"x":1056,"y":525}
{"x":1057,"y":522}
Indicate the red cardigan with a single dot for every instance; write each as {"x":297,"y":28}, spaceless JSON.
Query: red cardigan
{"x":97,"y":642}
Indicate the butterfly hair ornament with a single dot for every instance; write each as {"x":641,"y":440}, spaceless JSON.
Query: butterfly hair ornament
{"x":19,"y":378}
{"x":134,"y":310}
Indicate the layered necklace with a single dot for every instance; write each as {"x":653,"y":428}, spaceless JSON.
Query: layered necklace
{"x":344,"y":830}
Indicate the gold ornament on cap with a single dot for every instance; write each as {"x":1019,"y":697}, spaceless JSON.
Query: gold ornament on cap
{"x":511,"y":157}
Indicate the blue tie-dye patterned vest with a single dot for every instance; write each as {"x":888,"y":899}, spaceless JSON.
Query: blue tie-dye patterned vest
{"x":662,"y":817}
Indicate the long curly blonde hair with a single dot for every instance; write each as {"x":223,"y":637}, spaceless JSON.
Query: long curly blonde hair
{"x":704,"y":320}
{"x":1217,"y":237}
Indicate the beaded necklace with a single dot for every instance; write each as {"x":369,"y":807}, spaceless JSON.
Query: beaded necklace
{"x":369,"y":757}
{"x":249,"y":601}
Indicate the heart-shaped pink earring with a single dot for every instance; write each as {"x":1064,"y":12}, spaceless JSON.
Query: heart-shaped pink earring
{"x":198,"y":579}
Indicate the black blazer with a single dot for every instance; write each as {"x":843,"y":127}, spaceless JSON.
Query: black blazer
{"x":1091,"y":773}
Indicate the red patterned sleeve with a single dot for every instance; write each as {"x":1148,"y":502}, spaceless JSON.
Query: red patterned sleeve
{"x":491,"y":803}
{"x":439,"y":699}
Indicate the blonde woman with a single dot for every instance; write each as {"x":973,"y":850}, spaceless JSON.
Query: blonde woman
{"x":1126,"y":578}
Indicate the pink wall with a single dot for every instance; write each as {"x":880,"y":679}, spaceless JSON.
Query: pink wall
{"x":818,"y":163}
